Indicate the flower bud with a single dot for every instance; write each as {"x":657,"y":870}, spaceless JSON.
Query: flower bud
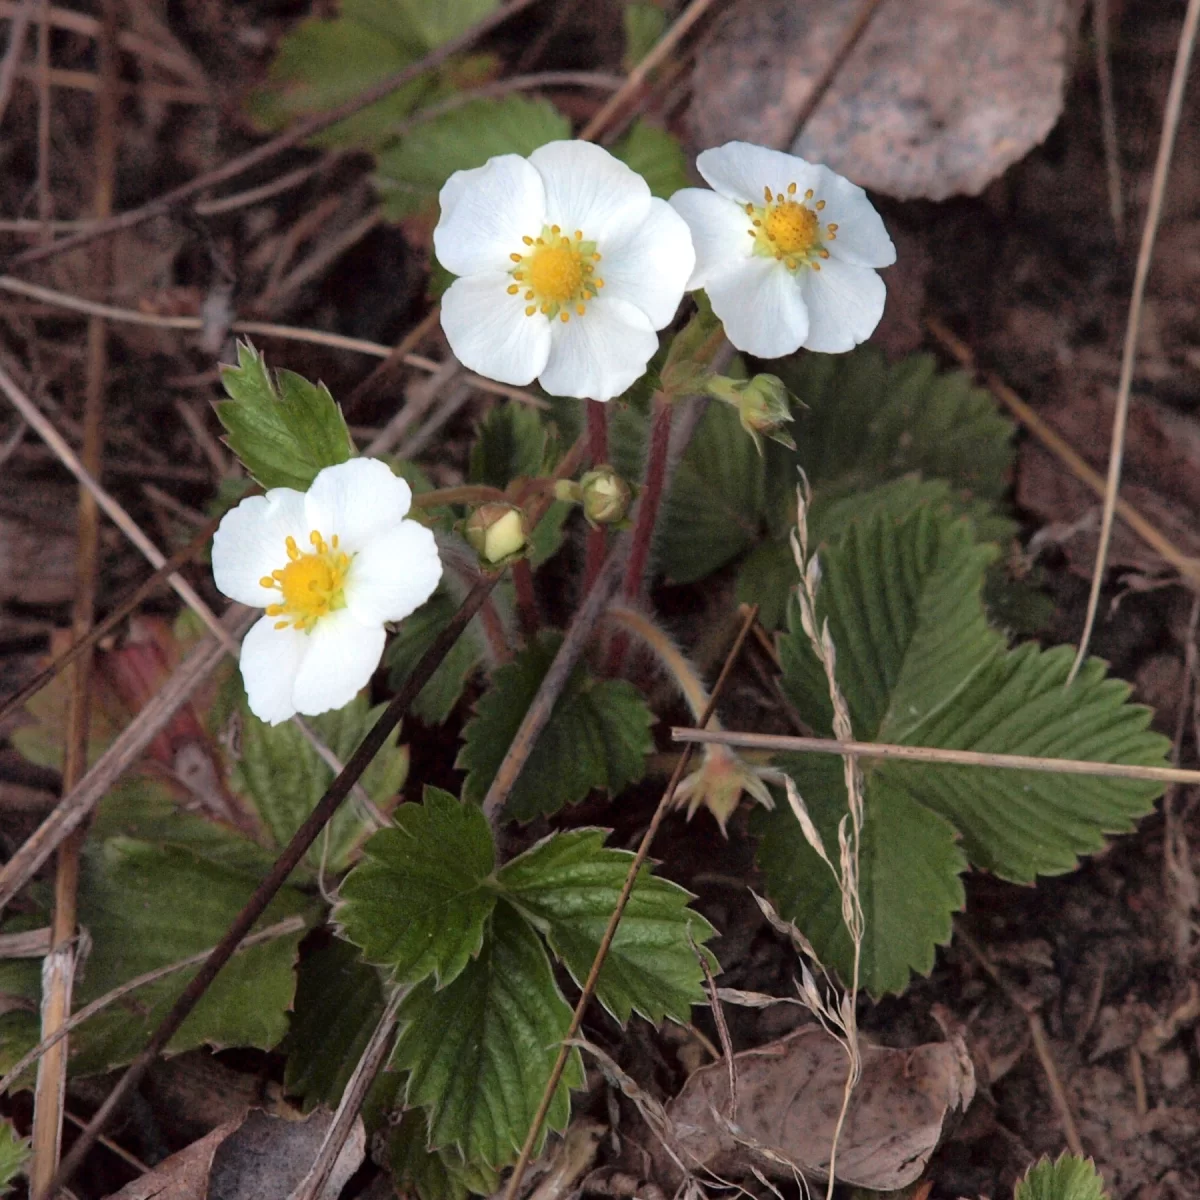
{"x":497,"y":533}
{"x":606,"y":496}
{"x":763,"y":404}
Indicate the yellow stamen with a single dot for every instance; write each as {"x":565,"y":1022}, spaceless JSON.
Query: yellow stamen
{"x":513,"y":289}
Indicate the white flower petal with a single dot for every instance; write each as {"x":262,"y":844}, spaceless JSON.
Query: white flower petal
{"x":740,"y":171}
{"x":719,"y":228}
{"x":356,"y":500}
{"x":270,"y":663}
{"x":393,"y":575}
{"x":861,"y":237}
{"x":250,"y":543}
{"x":489,"y":332}
{"x":486,"y":212}
{"x":601,"y":353}
{"x":342,"y":656}
{"x":649,"y":266}
{"x":761,"y":306}
{"x":844,"y":305}
{"x":590,"y":190}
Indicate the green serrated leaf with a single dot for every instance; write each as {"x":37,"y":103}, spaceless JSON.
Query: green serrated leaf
{"x":411,"y":172}
{"x":644,"y":25}
{"x":433,"y":1174}
{"x":339,"y":1000}
{"x":479,"y":1051}
{"x":418,"y":902}
{"x":510,"y":444}
{"x":14,"y":1154}
{"x":656,"y":155}
{"x":147,"y":906}
{"x":597,"y":736}
{"x":285,"y":777}
{"x":567,"y":886}
{"x":1067,"y":1178}
{"x":919,"y":665}
{"x":285,"y":430}
{"x":909,"y":865}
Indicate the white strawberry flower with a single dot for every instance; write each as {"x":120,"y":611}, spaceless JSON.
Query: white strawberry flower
{"x":329,"y":566}
{"x":567,"y":267}
{"x":785,"y":250}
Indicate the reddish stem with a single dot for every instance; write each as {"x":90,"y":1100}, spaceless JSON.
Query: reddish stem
{"x":653,"y":482}
{"x":597,"y":539}
{"x":522,"y":577}
{"x":652,"y":492}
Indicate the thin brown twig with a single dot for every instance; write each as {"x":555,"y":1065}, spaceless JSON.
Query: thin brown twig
{"x":97,"y":632}
{"x":12,"y":56}
{"x":1158,"y":189}
{"x":395,"y":359}
{"x":824,"y":82}
{"x":58,"y":969}
{"x":279,"y":929}
{"x":45,"y":202}
{"x":130,"y":744}
{"x":1188,"y":567}
{"x":294,"y":852}
{"x":1108,"y":118}
{"x":610,"y":932}
{"x":786,"y":744}
{"x":127,"y":40}
{"x":634,"y":80}
{"x":291,"y":333}
{"x":300,"y":132}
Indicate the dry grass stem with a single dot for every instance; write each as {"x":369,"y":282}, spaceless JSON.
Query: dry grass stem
{"x":298,"y":133}
{"x":842,"y":1014}
{"x":58,"y":968}
{"x":1158,"y":189}
{"x":1188,"y":567}
{"x":633,"y":82}
{"x":312,"y":1186}
{"x":74,"y":808}
{"x":20,"y":15}
{"x":783,"y":744}
{"x":279,"y":929}
{"x":291,"y":333}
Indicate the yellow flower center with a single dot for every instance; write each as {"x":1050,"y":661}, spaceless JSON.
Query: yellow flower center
{"x":789,"y":229}
{"x":310,"y":584}
{"x":792,"y":227}
{"x":556,"y":274}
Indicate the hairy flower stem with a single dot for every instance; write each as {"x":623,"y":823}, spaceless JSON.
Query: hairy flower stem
{"x":647,"y":516}
{"x":597,"y":538}
{"x":671,"y":658}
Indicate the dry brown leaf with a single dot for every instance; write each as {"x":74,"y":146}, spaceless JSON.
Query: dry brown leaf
{"x":937,"y":99}
{"x":789,"y":1097}
{"x":257,"y":1157}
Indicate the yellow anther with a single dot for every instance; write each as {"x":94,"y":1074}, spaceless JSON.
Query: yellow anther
{"x":531,"y":310}
{"x":579,"y":235}
{"x":791,"y":189}
{"x":809,"y":194}
{"x":580,"y":309}
{"x":832,"y":227}
{"x":281,"y":624}
{"x":564,"y":317}
{"x":527,"y":240}
{"x":513,"y":289}
{"x":819,"y":206}
{"x":515,"y":257}
{"x":598,"y":282}
{"x":554,"y":229}
{"x":267,"y":581}
{"x":767,"y":195}
{"x":529,"y":294}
